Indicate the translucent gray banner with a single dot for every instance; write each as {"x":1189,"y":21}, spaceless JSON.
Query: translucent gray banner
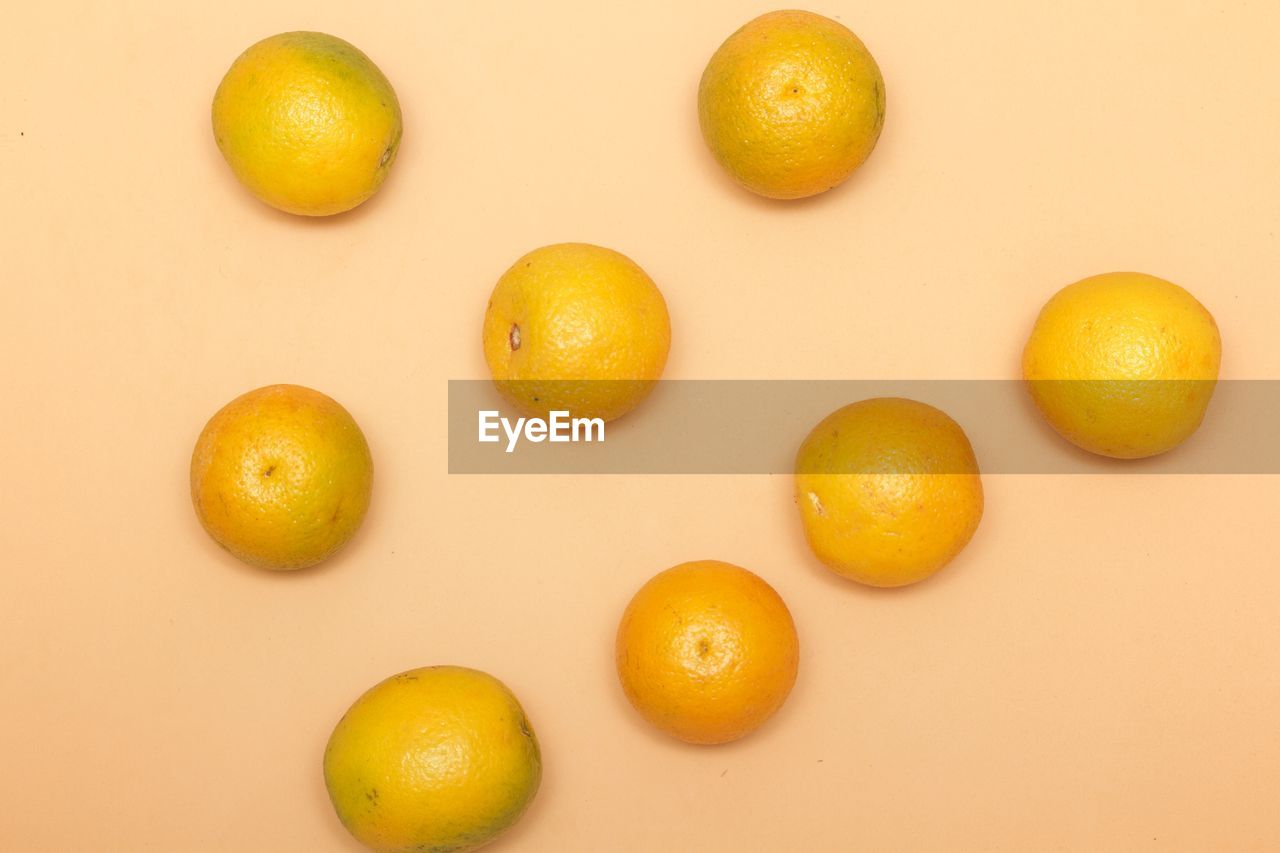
{"x":756,"y":427}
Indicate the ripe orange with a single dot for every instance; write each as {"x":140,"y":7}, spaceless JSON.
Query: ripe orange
{"x":307,"y":122}
{"x":791,"y":104}
{"x":281,"y":477}
{"x":888,"y":491}
{"x":577,"y":328}
{"x":1123,"y":364}
{"x":440,"y":758}
{"x":707,"y":652}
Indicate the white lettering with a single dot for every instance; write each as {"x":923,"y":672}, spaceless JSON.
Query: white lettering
{"x":488,"y":422}
{"x":513,"y":435}
{"x":560,"y":428}
{"x":587,"y":425}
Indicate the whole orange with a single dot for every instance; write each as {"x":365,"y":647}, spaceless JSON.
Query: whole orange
{"x":791,"y":104}
{"x":308,"y":123}
{"x":889,"y":491}
{"x":281,"y":477}
{"x":1123,"y":364}
{"x":440,"y":758}
{"x":578,"y":328}
{"x":707,"y":652}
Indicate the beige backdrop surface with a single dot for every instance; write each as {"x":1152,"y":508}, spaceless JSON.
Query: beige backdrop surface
{"x":1099,"y":671}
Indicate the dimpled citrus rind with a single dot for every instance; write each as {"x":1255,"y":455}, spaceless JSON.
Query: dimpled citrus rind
{"x":577,"y":328}
{"x":791,"y":104}
{"x":281,"y":477}
{"x":1123,"y":364}
{"x":707,"y":652}
{"x":307,"y":123}
{"x":888,"y":490}
{"x":438,"y":758}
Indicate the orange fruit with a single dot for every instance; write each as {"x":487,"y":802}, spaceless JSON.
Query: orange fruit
{"x":1123,"y":364}
{"x":577,"y":328}
{"x":888,"y":491}
{"x":281,"y":477}
{"x":791,"y":104}
{"x":307,"y":123}
{"x":707,"y":652}
{"x":440,"y":758}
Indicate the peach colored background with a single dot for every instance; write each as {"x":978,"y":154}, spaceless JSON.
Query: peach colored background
{"x":1099,"y":671}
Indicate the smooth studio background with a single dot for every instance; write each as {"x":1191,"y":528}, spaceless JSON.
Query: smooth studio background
{"x":1099,"y":671}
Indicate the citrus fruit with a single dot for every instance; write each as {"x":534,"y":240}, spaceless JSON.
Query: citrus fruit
{"x":281,"y":477}
{"x":1123,"y":364}
{"x":791,"y":104}
{"x":707,"y":652}
{"x":888,"y":490}
{"x":440,"y":758}
{"x":307,"y":123}
{"x":577,"y":328}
